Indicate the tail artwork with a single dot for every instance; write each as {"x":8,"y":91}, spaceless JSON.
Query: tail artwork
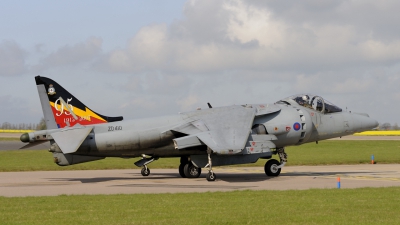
{"x":62,"y":109}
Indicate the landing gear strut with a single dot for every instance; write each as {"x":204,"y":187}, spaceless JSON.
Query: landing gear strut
{"x":211,"y":175}
{"x":282,"y":156}
{"x":273,"y":167}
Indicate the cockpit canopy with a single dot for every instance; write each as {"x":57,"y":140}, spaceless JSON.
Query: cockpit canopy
{"x":311,"y":101}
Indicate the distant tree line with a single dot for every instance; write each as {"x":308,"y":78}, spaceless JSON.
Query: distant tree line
{"x":24,"y":126}
{"x":388,"y":126}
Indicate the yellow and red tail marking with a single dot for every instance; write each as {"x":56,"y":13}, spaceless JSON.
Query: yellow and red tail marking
{"x":85,"y":117}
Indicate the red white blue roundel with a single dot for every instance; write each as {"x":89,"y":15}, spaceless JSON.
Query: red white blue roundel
{"x":296,"y":126}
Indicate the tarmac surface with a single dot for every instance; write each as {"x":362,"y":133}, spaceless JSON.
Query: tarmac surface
{"x":15,"y":145}
{"x":53,"y":183}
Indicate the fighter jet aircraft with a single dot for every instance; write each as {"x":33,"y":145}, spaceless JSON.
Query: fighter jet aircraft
{"x":203,"y":138}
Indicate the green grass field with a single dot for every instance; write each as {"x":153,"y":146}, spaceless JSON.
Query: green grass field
{"x":324,"y":153}
{"x":314,"y":206}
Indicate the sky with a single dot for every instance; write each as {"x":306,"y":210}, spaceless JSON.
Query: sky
{"x":151,"y":58}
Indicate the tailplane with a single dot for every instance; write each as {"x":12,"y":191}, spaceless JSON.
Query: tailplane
{"x":62,"y":109}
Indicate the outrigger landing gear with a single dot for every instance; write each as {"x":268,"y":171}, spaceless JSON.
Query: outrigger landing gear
{"x":188,"y":169}
{"x":145,"y":171}
{"x":144,"y":162}
{"x":211,"y":175}
{"x":273,"y":167}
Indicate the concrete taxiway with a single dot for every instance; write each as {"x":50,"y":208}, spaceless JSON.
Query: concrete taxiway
{"x":53,"y":183}
{"x":15,"y":145}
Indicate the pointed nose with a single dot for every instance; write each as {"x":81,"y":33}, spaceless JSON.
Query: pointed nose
{"x":363,"y":122}
{"x":370,"y":123}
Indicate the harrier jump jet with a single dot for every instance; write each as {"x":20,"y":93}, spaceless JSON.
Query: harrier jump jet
{"x":203,"y":138}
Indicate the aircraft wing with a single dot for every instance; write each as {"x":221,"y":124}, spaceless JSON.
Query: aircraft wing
{"x":225,"y":129}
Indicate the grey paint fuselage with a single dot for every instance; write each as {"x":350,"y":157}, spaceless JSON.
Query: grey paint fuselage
{"x":154,"y":137}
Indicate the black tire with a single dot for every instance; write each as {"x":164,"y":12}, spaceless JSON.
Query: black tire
{"x":271,"y":169}
{"x":211,"y":176}
{"x":191,"y":171}
{"x":184,"y":160}
{"x":181,"y":170}
{"x":145,"y":172}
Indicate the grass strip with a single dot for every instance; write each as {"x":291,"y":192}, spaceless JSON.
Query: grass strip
{"x":324,"y":153}
{"x":9,"y":139}
{"x":314,"y":206}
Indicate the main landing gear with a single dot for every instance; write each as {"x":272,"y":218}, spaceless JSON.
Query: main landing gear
{"x":187,"y":169}
{"x":211,"y":175}
{"x":273,"y":167}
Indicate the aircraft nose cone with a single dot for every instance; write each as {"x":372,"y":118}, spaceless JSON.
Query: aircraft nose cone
{"x":364,"y":123}
{"x":370,"y":123}
{"x":375,"y":124}
{"x":24,"y":137}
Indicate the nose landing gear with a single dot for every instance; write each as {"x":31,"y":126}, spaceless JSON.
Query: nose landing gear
{"x":273,"y":167}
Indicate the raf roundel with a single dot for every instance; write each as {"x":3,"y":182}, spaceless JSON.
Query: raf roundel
{"x":296,"y":126}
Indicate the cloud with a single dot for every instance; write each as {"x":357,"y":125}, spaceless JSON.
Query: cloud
{"x":146,"y":50}
{"x":12,"y":59}
{"x":157,"y":83}
{"x":17,"y":110}
{"x":237,"y":52}
{"x":67,"y":55}
{"x":188,"y":103}
{"x":232,"y":35}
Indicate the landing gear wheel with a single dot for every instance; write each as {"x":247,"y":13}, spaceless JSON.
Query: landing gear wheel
{"x":211,"y":176}
{"x":181,"y":170}
{"x":145,"y":172}
{"x":191,"y":171}
{"x":271,"y":168}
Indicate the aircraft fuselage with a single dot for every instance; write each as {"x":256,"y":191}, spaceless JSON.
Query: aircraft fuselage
{"x":153,"y":137}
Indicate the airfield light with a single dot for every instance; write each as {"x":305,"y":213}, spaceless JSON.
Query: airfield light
{"x":338,"y":182}
{"x":372,"y":159}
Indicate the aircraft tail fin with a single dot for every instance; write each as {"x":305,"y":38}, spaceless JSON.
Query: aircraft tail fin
{"x":62,"y":109}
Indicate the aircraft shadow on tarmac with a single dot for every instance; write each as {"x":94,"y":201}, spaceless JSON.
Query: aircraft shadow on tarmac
{"x":16,"y":145}
{"x":165,"y":176}
{"x":320,"y":174}
{"x":227,"y":177}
